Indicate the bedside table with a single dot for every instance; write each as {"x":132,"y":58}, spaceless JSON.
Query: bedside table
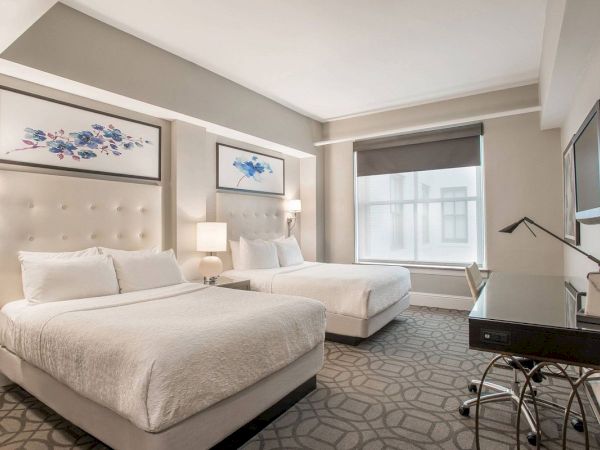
{"x":231,"y":283}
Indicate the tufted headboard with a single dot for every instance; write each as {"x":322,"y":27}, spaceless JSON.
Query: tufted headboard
{"x":41,"y":212}
{"x":251,"y":216}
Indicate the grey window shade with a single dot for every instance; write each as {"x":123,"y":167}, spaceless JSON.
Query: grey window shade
{"x":430,"y":150}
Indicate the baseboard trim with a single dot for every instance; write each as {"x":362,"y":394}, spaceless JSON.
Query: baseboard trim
{"x":441,"y":301}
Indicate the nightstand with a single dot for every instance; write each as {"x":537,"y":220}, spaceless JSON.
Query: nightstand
{"x":232,"y":283}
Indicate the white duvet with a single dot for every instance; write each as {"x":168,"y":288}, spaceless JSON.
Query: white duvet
{"x":159,"y":356}
{"x":354,"y":290}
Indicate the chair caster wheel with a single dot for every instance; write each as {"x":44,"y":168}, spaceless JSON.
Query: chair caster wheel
{"x":464,"y":410}
{"x":578,"y":425}
{"x":532,"y":438}
{"x":472,"y":387}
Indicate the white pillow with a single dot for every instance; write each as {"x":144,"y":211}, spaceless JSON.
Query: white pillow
{"x":54,"y":279}
{"x":140,"y":271}
{"x":288,"y":252}
{"x":235,"y":254}
{"x":258,"y":254}
{"x":92,"y":251}
{"x":116,"y":251}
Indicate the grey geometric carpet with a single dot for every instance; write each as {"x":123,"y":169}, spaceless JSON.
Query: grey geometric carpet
{"x":399,"y":389}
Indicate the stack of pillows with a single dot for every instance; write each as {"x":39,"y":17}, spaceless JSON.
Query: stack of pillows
{"x":247,"y":254}
{"x":95,"y":272}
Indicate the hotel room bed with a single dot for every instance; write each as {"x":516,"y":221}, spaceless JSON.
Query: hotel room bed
{"x":146,"y":363}
{"x":360,"y":299}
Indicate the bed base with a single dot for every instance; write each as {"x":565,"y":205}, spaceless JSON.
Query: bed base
{"x":256,"y":425}
{"x":226,"y":424}
{"x":352,"y":330}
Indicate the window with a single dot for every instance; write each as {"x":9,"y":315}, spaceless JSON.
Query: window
{"x":455,"y":227}
{"x":432,"y":214}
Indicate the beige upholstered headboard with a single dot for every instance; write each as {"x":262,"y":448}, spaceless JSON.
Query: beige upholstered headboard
{"x":41,"y":212}
{"x":251,"y":216}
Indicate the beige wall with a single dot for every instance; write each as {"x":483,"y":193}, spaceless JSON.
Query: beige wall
{"x":522,"y":176}
{"x":75,"y":46}
{"x":587,"y":92}
{"x":188,"y":176}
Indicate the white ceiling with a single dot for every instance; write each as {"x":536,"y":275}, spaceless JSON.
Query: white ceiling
{"x":334,"y":58}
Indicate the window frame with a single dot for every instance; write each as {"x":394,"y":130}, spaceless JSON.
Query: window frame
{"x":464,"y":199}
{"x":480,"y":232}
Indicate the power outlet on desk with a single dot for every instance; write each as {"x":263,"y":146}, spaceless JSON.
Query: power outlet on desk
{"x":495,"y":336}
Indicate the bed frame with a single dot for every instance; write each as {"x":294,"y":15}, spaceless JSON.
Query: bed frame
{"x":264,"y":217}
{"x":57,"y":213}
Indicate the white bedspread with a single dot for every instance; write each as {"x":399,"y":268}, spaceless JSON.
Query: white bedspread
{"x":350,"y":289}
{"x":159,"y":356}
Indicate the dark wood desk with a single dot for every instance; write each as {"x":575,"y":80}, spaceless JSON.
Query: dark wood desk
{"x":534,"y":317}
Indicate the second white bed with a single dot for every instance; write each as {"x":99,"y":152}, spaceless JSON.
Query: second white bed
{"x":360,"y":299}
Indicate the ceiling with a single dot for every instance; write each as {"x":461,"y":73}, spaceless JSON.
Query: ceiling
{"x":334,"y":58}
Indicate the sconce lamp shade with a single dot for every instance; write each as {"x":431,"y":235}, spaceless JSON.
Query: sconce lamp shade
{"x":211,"y":236}
{"x":294,"y":206}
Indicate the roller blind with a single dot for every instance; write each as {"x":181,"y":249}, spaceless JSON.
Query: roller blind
{"x":430,"y":150}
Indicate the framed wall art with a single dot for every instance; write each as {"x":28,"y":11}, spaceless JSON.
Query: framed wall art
{"x":41,"y":132}
{"x":244,"y":170}
{"x":571,"y":225}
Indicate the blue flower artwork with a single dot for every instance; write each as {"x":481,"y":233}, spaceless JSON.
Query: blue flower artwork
{"x":252,"y":168}
{"x":82,"y":145}
{"x":250,"y":171}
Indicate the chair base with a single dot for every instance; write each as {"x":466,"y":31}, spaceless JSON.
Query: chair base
{"x":502,"y":394}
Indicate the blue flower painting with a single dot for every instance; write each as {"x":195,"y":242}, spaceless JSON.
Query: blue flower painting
{"x":252,"y":168}
{"x":242,"y":170}
{"x":84,"y":144}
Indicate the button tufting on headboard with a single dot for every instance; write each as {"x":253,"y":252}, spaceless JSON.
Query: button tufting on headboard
{"x":64,"y":213}
{"x":251,"y":216}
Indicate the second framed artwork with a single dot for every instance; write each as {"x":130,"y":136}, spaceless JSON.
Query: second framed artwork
{"x":243,"y":170}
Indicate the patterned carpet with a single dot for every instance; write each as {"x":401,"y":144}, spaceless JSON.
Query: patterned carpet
{"x":398,"y":390}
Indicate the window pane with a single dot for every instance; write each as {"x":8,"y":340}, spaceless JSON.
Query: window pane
{"x":439,"y":226}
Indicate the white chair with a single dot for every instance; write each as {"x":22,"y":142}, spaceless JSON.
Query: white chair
{"x":474,"y":279}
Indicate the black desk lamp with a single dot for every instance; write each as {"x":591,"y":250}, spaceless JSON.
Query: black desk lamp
{"x":527,"y":221}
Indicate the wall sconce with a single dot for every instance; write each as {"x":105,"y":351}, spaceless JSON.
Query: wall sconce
{"x":293,"y":207}
{"x":211,"y":237}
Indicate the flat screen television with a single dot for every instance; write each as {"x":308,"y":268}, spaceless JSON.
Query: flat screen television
{"x":586,"y":152}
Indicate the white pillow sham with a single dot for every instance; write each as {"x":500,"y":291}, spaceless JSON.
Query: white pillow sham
{"x":68,"y":278}
{"x":257,"y":254}
{"x":92,"y":251}
{"x":235,"y":255}
{"x":288,"y":252}
{"x":140,"y":271}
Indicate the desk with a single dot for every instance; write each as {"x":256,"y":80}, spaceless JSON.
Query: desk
{"x":532,"y":316}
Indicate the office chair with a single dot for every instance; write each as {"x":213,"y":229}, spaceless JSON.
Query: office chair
{"x":501,"y":393}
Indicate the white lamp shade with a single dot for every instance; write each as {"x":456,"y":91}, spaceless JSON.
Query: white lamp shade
{"x":211,"y":236}
{"x":294,"y":206}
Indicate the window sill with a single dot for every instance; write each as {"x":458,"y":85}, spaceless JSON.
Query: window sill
{"x":431,"y":269}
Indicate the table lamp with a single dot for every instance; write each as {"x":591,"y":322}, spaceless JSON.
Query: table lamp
{"x":211,"y":237}
{"x":293,"y":207}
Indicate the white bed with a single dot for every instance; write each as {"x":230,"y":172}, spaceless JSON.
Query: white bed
{"x":154,"y":369}
{"x":158,"y":357}
{"x":360,"y":299}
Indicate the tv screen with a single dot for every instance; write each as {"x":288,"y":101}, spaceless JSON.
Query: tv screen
{"x":587,"y":169}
